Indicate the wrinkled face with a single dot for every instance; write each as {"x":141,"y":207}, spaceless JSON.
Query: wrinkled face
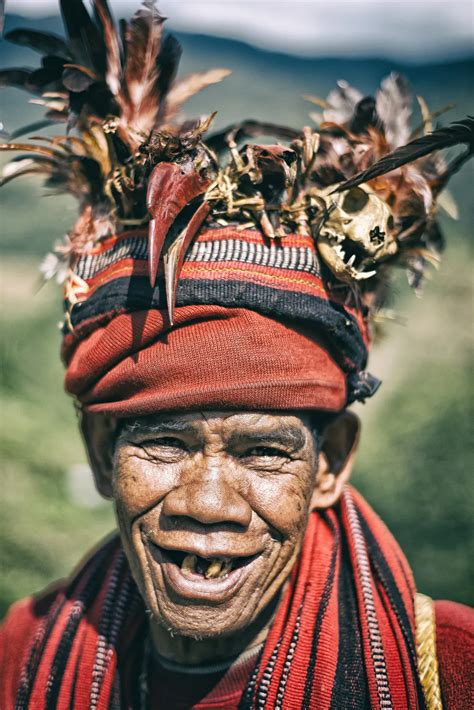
{"x":212,"y":510}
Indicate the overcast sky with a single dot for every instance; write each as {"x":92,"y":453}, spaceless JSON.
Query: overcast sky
{"x":402,"y":29}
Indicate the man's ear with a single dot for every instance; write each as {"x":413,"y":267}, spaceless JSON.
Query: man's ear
{"x":336,"y":458}
{"x":98,"y":432}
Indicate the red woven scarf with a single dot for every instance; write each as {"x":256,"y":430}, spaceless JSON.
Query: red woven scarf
{"x":343,"y":637}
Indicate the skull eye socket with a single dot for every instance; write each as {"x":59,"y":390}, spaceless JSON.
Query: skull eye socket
{"x":355,"y":200}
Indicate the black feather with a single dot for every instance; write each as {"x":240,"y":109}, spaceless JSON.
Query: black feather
{"x":15,"y":77}
{"x":168,"y":61}
{"x":30,"y":128}
{"x":365,"y":115}
{"x":43,"y":42}
{"x":434,"y":238}
{"x":84,"y":36}
{"x":96,"y":100}
{"x":123,"y":38}
{"x":47,"y":77}
{"x":458,"y":133}
{"x":90,"y":168}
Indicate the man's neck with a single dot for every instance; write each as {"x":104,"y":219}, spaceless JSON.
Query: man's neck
{"x":186,"y":650}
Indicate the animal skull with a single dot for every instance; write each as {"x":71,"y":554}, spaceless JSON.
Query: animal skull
{"x":355,"y":233}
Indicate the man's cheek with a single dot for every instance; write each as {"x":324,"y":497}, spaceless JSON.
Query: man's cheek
{"x":133,"y":495}
{"x":131,"y":538}
{"x":140,"y":485}
{"x":284,"y":507}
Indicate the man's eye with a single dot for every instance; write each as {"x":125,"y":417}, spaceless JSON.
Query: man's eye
{"x":266,"y":452}
{"x":171,"y":442}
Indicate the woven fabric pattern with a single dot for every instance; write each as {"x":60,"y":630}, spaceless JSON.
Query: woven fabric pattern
{"x":426,"y":651}
{"x":225,"y":267}
{"x":321,"y":651}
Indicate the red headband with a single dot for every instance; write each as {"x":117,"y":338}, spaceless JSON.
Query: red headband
{"x":213,"y":357}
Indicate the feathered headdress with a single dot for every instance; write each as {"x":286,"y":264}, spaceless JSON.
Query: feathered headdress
{"x":116,"y":91}
{"x":362,"y":185}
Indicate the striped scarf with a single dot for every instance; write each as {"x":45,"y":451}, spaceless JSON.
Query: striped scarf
{"x":343,"y":636}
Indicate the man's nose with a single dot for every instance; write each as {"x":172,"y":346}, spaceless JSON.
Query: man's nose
{"x":208,"y":501}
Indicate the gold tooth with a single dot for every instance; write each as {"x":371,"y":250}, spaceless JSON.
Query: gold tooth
{"x":214,"y":569}
{"x":218,"y":568}
{"x":189,"y":563}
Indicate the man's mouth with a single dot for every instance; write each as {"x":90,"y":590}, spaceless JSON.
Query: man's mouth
{"x":208,"y":567}
{"x":212,"y":578}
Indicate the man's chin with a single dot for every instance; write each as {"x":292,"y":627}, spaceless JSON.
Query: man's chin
{"x":200,"y":621}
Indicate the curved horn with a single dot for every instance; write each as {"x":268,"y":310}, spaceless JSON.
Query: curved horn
{"x":174,"y":257}
{"x":170,"y":188}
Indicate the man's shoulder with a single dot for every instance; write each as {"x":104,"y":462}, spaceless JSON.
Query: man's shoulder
{"x":17,"y":631}
{"x":455,"y":650}
{"x":454,"y":620}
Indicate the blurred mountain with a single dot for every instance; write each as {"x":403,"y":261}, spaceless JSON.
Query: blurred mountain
{"x":268,"y":84}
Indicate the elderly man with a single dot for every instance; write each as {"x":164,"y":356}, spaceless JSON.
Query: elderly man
{"x":217,"y":325}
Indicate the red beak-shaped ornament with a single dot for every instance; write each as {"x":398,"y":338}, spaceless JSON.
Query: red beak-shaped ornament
{"x":171,"y":187}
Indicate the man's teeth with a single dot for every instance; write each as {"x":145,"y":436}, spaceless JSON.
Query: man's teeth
{"x":218,"y":568}
{"x":189,"y":563}
{"x":211,"y":569}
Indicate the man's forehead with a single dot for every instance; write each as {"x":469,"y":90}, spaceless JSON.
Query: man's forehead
{"x":229,"y":423}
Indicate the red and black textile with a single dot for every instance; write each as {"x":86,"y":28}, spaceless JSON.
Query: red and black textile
{"x":293,"y":340}
{"x":225,"y":267}
{"x":343,"y":637}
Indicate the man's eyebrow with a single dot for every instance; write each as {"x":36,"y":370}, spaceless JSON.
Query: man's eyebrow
{"x":160,"y":426}
{"x":289,"y":436}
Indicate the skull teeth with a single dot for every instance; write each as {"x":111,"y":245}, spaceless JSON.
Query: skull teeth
{"x":340,"y":251}
{"x":365,"y":275}
{"x":215,"y":568}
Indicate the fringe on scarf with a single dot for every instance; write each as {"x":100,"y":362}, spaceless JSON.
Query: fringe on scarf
{"x":343,"y":637}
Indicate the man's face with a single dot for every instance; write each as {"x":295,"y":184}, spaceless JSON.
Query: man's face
{"x":212,"y":510}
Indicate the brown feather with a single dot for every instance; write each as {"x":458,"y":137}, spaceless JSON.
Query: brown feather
{"x":394,"y":104}
{"x":26,"y":165}
{"x":140,"y":102}
{"x":112,"y":44}
{"x":183,"y":89}
{"x":40,"y":149}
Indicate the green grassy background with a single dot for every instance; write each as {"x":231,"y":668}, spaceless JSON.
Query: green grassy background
{"x":415,"y":463}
